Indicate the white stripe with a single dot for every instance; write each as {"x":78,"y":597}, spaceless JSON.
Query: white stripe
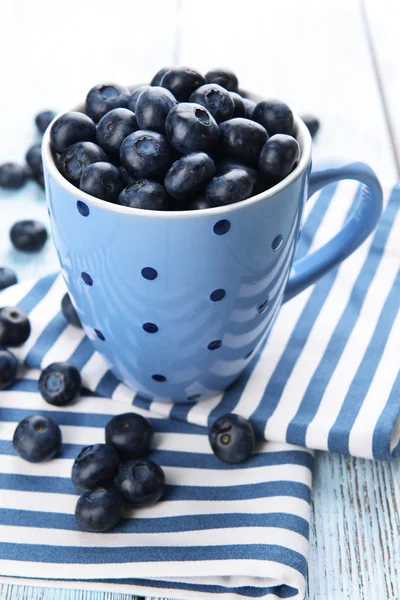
{"x":64,"y":346}
{"x":93,"y":371}
{"x":200,"y":412}
{"x":15,"y":293}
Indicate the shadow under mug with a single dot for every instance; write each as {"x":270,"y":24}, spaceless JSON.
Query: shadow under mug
{"x":178,"y":302}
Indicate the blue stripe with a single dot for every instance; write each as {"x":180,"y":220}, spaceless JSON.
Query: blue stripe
{"x":107,"y":385}
{"x":82,"y":354}
{"x":37,"y":293}
{"x":385,"y":425}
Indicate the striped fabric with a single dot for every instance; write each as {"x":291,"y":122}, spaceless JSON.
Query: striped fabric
{"x":327,"y":378}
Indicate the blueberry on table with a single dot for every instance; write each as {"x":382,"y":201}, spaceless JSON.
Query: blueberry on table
{"x":70,"y":128}
{"x":37,"y":438}
{"x":130,"y":434}
{"x":230,"y":187}
{"x":43,"y":119}
{"x":13,"y":176}
{"x":278,"y":157}
{"x":7,"y":278}
{"x":78,"y":156}
{"x":114,"y":127}
{"x":28,"y":235}
{"x":104,"y":97}
{"x":39,"y":178}
{"x":275,"y":116}
{"x":15,"y":327}
{"x":59,"y":383}
{"x":95,"y":466}
{"x":216,"y":99}
{"x":69,"y":312}
{"x":99,"y":509}
{"x":8,"y":368}
{"x":249,"y":106}
{"x":134,"y":97}
{"x":312,"y":123}
{"x":242,"y":140}
{"x":102,"y":180}
{"x":239,"y":109}
{"x":232,"y":438}
{"x":141,"y":482}
{"x":189,"y":175}
{"x":152,"y":108}
{"x":33,"y":158}
{"x":146,"y":194}
{"x":224,"y":77}
{"x":191,"y":128}
{"x":145,"y":154}
{"x":198,"y":203}
{"x":159,"y":75}
{"x":182,"y":81}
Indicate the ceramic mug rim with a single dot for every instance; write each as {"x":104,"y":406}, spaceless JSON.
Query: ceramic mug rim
{"x":302,"y":135}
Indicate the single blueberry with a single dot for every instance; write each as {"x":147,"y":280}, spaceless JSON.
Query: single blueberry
{"x":198,"y":203}
{"x":216,"y":99}
{"x":146,"y":194}
{"x":102,"y":180}
{"x":146,"y":154}
{"x":8,"y":368}
{"x":130,"y":434}
{"x":15,"y":327}
{"x":228,"y":164}
{"x":70,"y":128}
{"x":141,"y":482}
{"x":7,"y":278}
{"x":104,"y":97}
{"x":34,"y":159}
{"x":13,"y":176}
{"x":152,"y":108}
{"x":189,"y":175}
{"x":78,"y":156}
{"x":43,"y":119}
{"x":135,"y":95}
{"x":28,"y":236}
{"x":69,"y":312}
{"x":95,"y":466}
{"x":191,"y":128}
{"x":230,"y":187}
{"x":239,"y":107}
{"x":312,"y":123}
{"x":182,"y":81}
{"x":99,"y":509}
{"x":224,"y":77}
{"x":159,"y":75}
{"x":242,"y":140}
{"x":232,"y":438}
{"x":37,"y":438}
{"x":275,"y":116}
{"x":60,"y":383}
{"x":114,"y":127}
{"x":278,"y":157}
{"x":249,"y":106}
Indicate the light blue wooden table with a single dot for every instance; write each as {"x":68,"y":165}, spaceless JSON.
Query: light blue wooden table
{"x":339,"y":60}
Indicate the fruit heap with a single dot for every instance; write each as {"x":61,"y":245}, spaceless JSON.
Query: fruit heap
{"x":183,"y":142}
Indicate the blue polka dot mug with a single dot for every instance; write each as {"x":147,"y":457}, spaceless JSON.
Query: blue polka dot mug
{"x":178,"y":302}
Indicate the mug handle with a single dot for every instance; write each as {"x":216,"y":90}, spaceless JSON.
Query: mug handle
{"x":356,"y":229}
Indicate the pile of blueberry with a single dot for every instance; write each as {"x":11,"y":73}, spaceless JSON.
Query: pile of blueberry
{"x":184,"y":142}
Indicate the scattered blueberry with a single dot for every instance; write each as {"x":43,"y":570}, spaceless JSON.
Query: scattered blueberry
{"x":102,"y":180}
{"x":130,"y":434}
{"x":34,"y":159}
{"x":242,"y":140}
{"x":69,"y":311}
{"x":60,"y":383}
{"x":249,"y":106}
{"x":28,"y":236}
{"x":152,"y":108}
{"x":191,"y":128}
{"x":216,"y":99}
{"x":39,"y":178}
{"x":182,"y":81}
{"x":278,"y":157}
{"x":104,"y":97}
{"x":15,"y":327}
{"x":7,"y":278}
{"x":114,"y":127}
{"x":232,"y":438}
{"x":239,"y":107}
{"x":37,"y":438}
{"x":13,"y":176}
{"x":230,"y":187}
{"x":135,"y":95}
{"x":159,"y":75}
{"x":312,"y":124}
{"x":224,"y":77}
{"x":95,"y":466}
{"x":189,"y":175}
{"x":198,"y":203}
{"x":146,"y":154}
{"x":8,"y":368}
{"x":78,"y":156}
{"x":275,"y":116}
{"x":70,"y":128}
{"x":146,"y":194}
{"x":99,"y":509}
{"x":141,"y":481}
{"x":43,"y":119}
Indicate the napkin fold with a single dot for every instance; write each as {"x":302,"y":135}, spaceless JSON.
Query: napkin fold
{"x":327,"y":378}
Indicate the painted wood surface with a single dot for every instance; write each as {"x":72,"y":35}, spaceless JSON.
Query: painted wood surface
{"x":338,"y":60}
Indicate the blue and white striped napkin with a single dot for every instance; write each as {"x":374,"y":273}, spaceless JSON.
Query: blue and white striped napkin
{"x":327,"y":378}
